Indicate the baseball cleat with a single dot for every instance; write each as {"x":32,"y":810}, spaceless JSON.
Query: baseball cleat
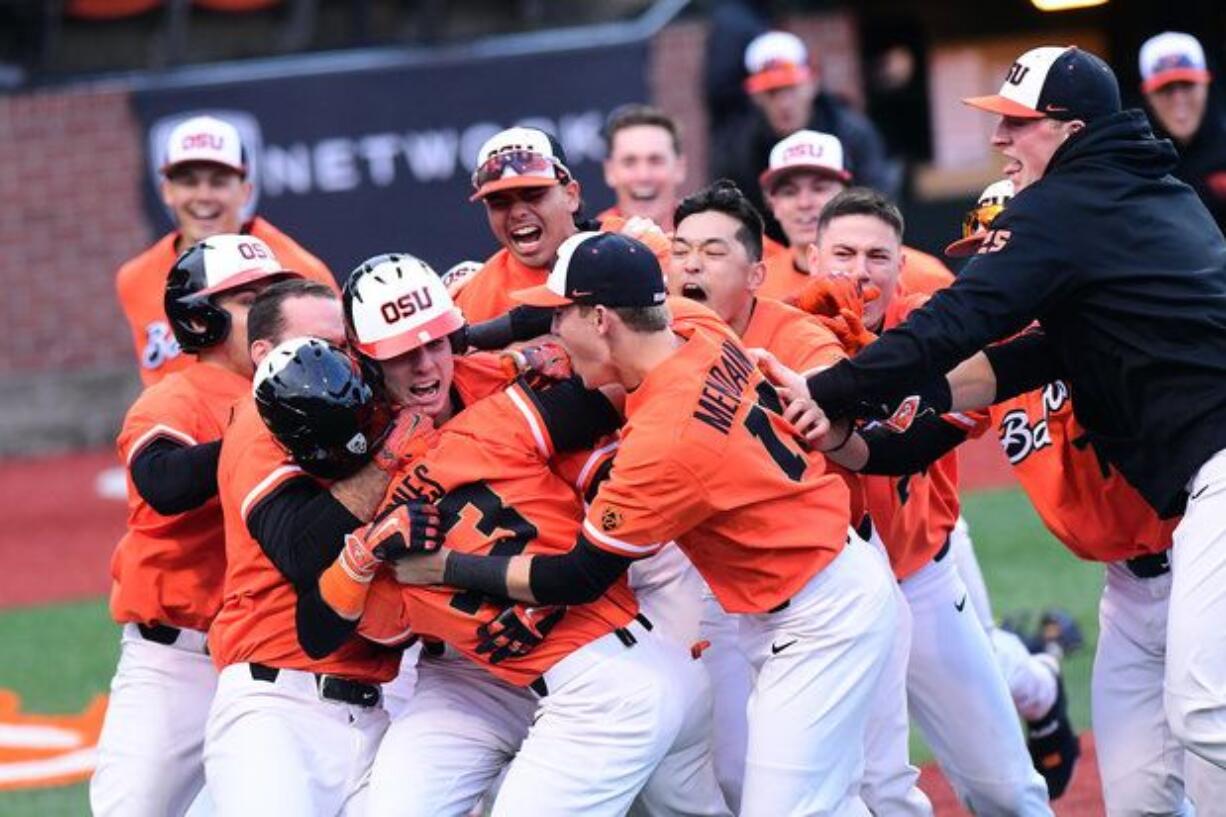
{"x":1053,"y":744}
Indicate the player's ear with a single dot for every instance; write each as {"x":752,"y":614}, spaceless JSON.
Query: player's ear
{"x":248,"y":188}
{"x":260,"y":349}
{"x":164,"y":190}
{"x":757,"y":274}
{"x":815,"y":257}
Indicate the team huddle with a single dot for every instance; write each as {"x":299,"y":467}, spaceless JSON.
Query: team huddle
{"x":655,"y":514}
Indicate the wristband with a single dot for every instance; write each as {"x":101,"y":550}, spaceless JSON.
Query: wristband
{"x":485,"y":574}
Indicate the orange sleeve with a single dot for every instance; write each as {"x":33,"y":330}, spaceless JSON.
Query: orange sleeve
{"x":158,"y":413}
{"x":812,"y":346}
{"x":646,"y":502}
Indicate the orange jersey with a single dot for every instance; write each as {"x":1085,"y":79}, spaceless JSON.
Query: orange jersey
{"x":257,"y":619}
{"x":706,"y":460}
{"x":797,"y":338}
{"x":169,"y":569}
{"x":921,"y":273}
{"x":1085,"y":503}
{"x":141,"y":285}
{"x":488,"y":472}
{"x":914,"y":514}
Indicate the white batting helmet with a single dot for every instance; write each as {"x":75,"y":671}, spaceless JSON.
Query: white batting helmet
{"x":394,"y":303}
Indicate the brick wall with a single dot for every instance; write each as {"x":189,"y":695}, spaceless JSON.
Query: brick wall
{"x":70,"y":166}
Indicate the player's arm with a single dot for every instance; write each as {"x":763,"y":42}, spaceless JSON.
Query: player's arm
{"x":520,"y":324}
{"x":174,"y":477}
{"x":997,"y":294}
{"x":878,"y":450}
{"x":301,"y":526}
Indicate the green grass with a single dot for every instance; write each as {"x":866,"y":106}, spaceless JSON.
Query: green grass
{"x":58,"y":656}
{"x":1027,"y":569}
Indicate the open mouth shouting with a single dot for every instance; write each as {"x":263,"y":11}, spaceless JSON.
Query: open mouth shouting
{"x":526,"y":238}
{"x":693,"y":291}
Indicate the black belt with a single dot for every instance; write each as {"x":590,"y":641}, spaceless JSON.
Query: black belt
{"x":623,"y":635}
{"x":332,"y":687}
{"x":943,"y":552}
{"x":1150,"y":566}
{"x":159,"y":633}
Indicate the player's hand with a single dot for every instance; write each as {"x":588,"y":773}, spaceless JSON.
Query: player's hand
{"x":647,"y":231}
{"x":401,"y":530}
{"x":406,"y":440}
{"x":830,"y":295}
{"x":790,"y":384}
{"x":517,"y":630}
{"x":808,"y":420}
{"x":540,"y":364}
{"x":848,"y":327}
{"x":422,"y":568}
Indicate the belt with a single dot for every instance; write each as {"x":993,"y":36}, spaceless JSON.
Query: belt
{"x":159,"y":633}
{"x":192,"y":641}
{"x":1150,"y":566}
{"x":331,"y":687}
{"x":603,"y":644}
{"x":943,"y":552}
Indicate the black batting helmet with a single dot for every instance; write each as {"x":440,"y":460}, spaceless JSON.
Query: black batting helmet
{"x":206,"y":269}
{"x":312,"y":397}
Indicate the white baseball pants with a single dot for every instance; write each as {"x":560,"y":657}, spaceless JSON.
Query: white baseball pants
{"x":612,"y":715}
{"x":669,"y":590}
{"x":150,"y":751}
{"x":1195,"y":687}
{"x":277,"y":748}
{"x":818,"y":662}
{"x":959,"y":699}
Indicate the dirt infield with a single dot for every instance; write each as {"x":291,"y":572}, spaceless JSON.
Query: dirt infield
{"x":1082,"y":799}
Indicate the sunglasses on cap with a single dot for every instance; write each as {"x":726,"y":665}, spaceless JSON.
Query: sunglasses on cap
{"x":521,"y":163}
{"x":979,"y":219}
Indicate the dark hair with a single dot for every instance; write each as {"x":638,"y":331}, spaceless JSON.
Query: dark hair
{"x":635,"y":115}
{"x":638,"y":318}
{"x":725,"y":197}
{"x":861,"y":201}
{"x":266,"y":318}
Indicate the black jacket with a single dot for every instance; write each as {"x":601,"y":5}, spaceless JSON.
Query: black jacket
{"x":1125,"y":270}
{"x":1202,"y":162}
{"x":746,"y":152}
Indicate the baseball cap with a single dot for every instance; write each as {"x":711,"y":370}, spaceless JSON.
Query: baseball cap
{"x":990,"y":204}
{"x":776,"y":59}
{"x":232,"y":260}
{"x":610,"y":269}
{"x":518,"y":157}
{"x":1172,"y":57}
{"x":805,"y":150}
{"x":1056,"y":82}
{"x":205,"y":139}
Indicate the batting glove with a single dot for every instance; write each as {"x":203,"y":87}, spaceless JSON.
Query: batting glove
{"x":540,"y":365}
{"x":830,"y":295}
{"x":407,"y":439}
{"x":403,"y":530}
{"x":848,"y":327}
{"x":516,"y":631}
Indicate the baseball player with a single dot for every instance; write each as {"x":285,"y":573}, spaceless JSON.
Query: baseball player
{"x":1100,"y":517}
{"x":167,"y":569}
{"x":704,"y":460}
{"x":716,"y":256}
{"x":807,"y":170}
{"x":1131,"y":311}
{"x":533,"y":204}
{"x":645,"y":167}
{"x":204,"y":185}
{"x":487,"y":471}
{"x":288,"y":734}
{"x":977,"y":740}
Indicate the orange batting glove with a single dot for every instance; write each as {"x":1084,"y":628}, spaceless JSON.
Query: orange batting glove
{"x":848,"y":327}
{"x":406,"y":440}
{"x":830,"y":295}
{"x":540,"y":364}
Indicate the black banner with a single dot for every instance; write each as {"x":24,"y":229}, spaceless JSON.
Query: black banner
{"x":359,"y":162}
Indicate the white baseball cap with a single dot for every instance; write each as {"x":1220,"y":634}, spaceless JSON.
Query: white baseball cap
{"x":776,"y":59}
{"x":205,"y":139}
{"x":989,"y":205}
{"x":395,"y":303}
{"x":1172,"y":56}
{"x":518,"y":157}
{"x":1054,"y":82}
{"x":809,"y":150}
{"x":233,"y":260}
